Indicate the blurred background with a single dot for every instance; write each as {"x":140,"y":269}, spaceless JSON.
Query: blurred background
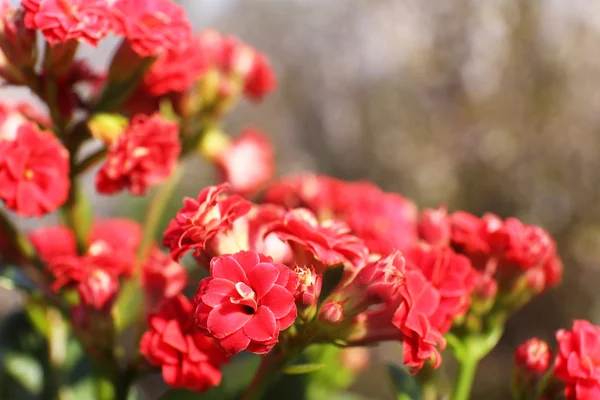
{"x":480,"y":105}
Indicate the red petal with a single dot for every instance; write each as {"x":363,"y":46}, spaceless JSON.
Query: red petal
{"x":262,"y":326}
{"x":173,"y":336}
{"x":235,"y":343}
{"x":171,"y":374}
{"x":218,"y":291}
{"x":262,"y":277}
{"x":279,"y":300}
{"x":247,"y":259}
{"x":227,"y":267}
{"x":226,"y":319}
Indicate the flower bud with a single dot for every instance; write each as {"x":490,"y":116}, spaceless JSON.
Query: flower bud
{"x":107,"y":127}
{"x":16,"y":41}
{"x":532,"y":359}
{"x":99,"y":290}
{"x":434,"y":227}
{"x":309,"y":286}
{"x":332,"y":312}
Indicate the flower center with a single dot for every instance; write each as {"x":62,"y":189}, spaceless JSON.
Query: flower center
{"x":29,"y":174}
{"x":247,"y":298}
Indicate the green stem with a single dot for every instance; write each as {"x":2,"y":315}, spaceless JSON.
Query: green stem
{"x":90,"y":161}
{"x":268,"y":372}
{"x":466,"y":376}
{"x":19,"y":241}
{"x":76,"y":215}
{"x":155,"y":212}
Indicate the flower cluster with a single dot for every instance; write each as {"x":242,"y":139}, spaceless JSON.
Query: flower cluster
{"x":575,"y":371}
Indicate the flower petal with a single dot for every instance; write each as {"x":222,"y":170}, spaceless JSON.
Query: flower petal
{"x":262,"y":326}
{"x":235,"y":342}
{"x":262,"y":277}
{"x":228,"y":268}
{"x":226,"y":319}
{"x":218,"y":291}
{"x":279,"y":300}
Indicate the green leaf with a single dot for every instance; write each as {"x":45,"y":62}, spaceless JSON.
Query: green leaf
{"x":129,"y":304}
{"x":405,"y":385}
{"x":303,"y":369}
{"x":26,"y":370}
{"x":36,"y":311}
{"x":331,"y":279}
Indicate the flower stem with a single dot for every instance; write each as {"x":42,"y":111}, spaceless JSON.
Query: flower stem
{"x":268,"y":372}
{"x":466,"y":376}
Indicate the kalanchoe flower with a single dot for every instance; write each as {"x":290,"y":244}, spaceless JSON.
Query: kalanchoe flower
{"x":451,"y":274}
{"x":420,"y":300}
{"x":260,"y":78}
{"x":320,"y":244}
{"x":309,"y":286}
{"x":385,"y":221}
{"x":52,"y":242}
{"x":162,"y":277}
{"x":143,"y":156}
{"x":533,"y":356}
{"x":200,"y":219}
{"x":577,"y":361}
{"x":434,"y":227}
{"x":248,"y":163}
{"x":177,"y":69}
{"x":34,"y":172}
{"x":470,"y":235}
{"x":86,"y":21}
{"x":187,"y":358}
{"x":152,"y":27}
{"x":246,"y":302}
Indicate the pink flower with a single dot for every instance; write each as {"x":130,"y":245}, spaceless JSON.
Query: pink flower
{"x":52,"y":242}
{"x":246,"y":302}
{"x":248,"y":163}
{"x":260,"y":79}
{"x":144,"y":155}
{"x":434,"y":226}
{"x":319,"y":244}
{"x":200,"y":219}
{"x":451,"y":274}
{"x":34,"y":172}
{"x":420,"y":300}
{"x":577,"y":362}
{"x":87,"y":21}
{"x":152,"y":27}
{"x":177,"y":69}
{"x":187,"y":359}
{"x":162,"y":277}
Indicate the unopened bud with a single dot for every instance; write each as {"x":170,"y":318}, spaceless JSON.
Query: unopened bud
{"x":107,"y":127}
{"x":214,"y":143}
{"x":332,"y":312}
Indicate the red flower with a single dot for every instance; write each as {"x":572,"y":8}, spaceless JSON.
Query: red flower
{"x":52,"y":242}
{"x":524,"y":246}
{"x":309,"y":286}
{"x":434,"y":227}
{"x":177,"y":69}
{"x":578,"y":361}
{"x":152,"y":27}
{"x":470,"y":235}
{"x":419,"y":302}
{"x":92,"y":275}
{"x":246,"y":302}
{"x":87,"y":21}
{"x":533,"y":356}
{"x":162,"y":277}
{"x":200,"y":219}
{"x":260,"y":79}
{"x":34,"y":172}
{"x":145,"y":155}
{"x":451,"y":274}
{"x":385,"y":221}
{"x":188,"y":359}
{"x":248,"y":163}
{"x":320,"y":244}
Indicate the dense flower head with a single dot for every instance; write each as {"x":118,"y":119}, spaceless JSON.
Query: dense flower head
{"x":17,"y":43}
{"x":577,"y":361}
{"x":419,"y":302}
{"x":434,"y":226}
{"x":247,"y":300}
{"x":53,"y":241}
{"x":177,"y":69}
{"x":320,"y":244}
{"x":187,"y":358}
{"x":86,"y":21}
{"x":34,"y":172}
{"x":385,"y":221}
{"x":162,"y":277}
{"x":309,"y":286}
{"x":248,"y":162}
{"x":144,"y":155}
{"x":201,"y":219}
{"x":533,"y":356}
{"x":451,"y":274}
{"x":470,"y":235}
{"x":152,"y":27}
